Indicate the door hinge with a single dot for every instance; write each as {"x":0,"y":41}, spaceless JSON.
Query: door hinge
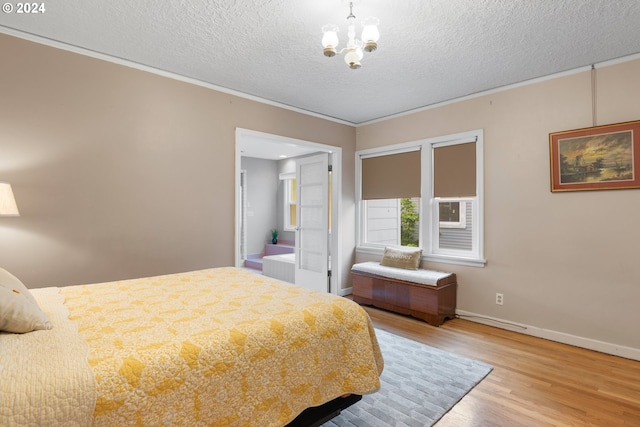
{"x":330,"y":168}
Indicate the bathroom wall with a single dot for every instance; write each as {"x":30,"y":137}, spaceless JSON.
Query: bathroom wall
{"x":262,"y":201}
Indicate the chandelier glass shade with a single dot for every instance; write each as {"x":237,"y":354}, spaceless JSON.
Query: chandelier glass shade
{"x":354,"y":51}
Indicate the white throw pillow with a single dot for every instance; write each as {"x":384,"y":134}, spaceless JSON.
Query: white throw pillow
{"x":19,"y":311}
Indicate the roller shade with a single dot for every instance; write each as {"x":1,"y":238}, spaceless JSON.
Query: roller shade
{"x":454,"y":170}
{"x":392,"y":176}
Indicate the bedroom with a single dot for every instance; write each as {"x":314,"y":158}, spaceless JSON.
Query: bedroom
{"x":122,"y":173}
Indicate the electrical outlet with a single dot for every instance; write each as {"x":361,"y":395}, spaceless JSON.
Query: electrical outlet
{"x":499,"y":299}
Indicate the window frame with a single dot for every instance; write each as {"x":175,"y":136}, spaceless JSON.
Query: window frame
{"x":428,"y":228}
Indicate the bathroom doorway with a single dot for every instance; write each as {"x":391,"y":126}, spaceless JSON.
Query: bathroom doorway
{"x":259,"y":145}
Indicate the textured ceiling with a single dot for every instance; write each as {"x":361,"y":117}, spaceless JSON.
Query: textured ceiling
{"x":429,"y":51}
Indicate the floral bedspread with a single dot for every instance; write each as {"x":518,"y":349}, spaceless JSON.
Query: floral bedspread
{"x":223,"y":347}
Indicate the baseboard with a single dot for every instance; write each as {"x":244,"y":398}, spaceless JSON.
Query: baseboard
{"x":561,"y":337}
{"x":345,"y":291}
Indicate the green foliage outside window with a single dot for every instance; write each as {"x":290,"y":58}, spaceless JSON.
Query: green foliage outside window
{"x":408,"y":221}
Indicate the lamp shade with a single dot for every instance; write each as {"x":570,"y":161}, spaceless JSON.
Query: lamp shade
{"x":330,"y":37}
{"x":8,"y":205}
{"x":370,"y":31}
{"x":353,"y":57}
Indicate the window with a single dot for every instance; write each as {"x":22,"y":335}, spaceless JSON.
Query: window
{"x":391,"y":198}
{"x":392,"y":221}
{"x":452,"y":214}
{"x":289,"y":208}
{"x":428,"y":194}
{"x":290,"y":201}
{"x":454,"y":230}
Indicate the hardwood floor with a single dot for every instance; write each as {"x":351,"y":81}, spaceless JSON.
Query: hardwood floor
{"x":534,"y":382}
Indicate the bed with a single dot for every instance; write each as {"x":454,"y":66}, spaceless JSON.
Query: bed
{"x":221,"y":347}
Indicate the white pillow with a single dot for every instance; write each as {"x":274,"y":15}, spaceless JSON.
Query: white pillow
{"x":19,"y":311}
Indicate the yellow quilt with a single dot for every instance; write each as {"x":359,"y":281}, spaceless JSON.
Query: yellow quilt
{"x":44,"y":376}
{"x":220,"y":347}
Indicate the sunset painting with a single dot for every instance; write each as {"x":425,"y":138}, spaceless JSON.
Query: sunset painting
{"x":606,"y":157}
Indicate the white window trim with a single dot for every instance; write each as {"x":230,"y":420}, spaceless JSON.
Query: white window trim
{"x":475,"y":257}
{"x":399,"y":217}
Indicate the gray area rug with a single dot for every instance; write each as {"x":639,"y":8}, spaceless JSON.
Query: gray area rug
{"x":419,"y":385}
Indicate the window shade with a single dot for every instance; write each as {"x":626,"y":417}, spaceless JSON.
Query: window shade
{"x":454,"y":170}
{"x":392,"y":176}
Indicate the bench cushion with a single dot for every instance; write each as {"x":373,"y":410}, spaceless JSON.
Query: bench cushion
{"x":424,"y":277}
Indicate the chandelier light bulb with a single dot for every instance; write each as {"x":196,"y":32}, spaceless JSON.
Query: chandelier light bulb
{"x":370,"y":34}
{"x":330,"y":39}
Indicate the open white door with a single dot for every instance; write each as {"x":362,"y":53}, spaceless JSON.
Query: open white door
{"x":312,"y":219}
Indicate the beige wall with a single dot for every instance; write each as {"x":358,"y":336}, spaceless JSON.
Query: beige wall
{"x":566,"y":262}
{"x":120,"y":173}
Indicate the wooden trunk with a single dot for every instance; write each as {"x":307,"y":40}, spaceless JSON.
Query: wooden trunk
{"x":432,"y":304}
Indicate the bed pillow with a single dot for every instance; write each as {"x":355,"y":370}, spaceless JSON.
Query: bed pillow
{"x":19,"y":311}
{"x":408,"y":259}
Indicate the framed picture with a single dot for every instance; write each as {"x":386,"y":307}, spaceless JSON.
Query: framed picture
{"x":596,"y":158}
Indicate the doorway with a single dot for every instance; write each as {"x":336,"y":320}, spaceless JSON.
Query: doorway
{"x":255,"y":144}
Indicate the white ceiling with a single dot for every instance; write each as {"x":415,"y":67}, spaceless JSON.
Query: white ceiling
{"x":430,"y":51}
{"x":274,"y":147}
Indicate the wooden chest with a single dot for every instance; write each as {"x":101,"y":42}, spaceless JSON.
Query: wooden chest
{"x":432,"y":304}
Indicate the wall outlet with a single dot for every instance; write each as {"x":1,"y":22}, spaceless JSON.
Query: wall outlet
{"x":499,"y":299}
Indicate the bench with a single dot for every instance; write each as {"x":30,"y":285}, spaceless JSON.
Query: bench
{"x":424,"y":294}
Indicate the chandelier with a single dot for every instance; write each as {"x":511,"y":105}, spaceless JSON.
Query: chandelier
{"x":353,"y":53}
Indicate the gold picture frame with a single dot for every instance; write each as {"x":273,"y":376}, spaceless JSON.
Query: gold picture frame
{"x":596,"y":158}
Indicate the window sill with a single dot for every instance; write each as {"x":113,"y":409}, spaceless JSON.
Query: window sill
{"x":471,"y":262}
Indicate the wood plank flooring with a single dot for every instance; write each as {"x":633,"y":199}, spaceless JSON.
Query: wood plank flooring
{"x":534,"y":382}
